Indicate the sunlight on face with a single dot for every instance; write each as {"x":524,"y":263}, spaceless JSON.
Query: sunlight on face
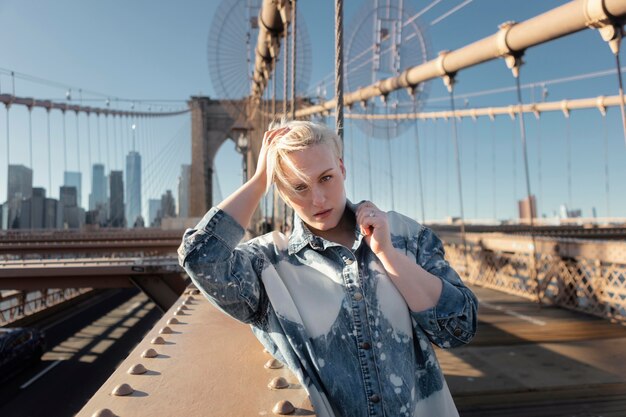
{"x":320,"y":201}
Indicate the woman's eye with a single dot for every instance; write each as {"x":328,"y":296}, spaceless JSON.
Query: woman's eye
{"x":300,"y":187}
{"x":326,"y":178}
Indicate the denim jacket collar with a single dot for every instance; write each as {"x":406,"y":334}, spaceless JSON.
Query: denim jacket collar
{"x":301,"y":236}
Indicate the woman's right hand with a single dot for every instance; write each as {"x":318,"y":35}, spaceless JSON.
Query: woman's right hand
{"x":261,"y":167}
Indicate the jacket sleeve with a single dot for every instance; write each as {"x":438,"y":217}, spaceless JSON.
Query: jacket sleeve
{"x":452,"y":322}
{"x":227,"y":273}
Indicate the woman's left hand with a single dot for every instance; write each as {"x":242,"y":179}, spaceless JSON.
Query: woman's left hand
{"x":374,"y":226}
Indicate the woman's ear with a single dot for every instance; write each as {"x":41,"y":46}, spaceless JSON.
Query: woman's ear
{"x":343,"y":168}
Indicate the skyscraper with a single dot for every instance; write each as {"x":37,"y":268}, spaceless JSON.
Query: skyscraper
{"x":154,"y":211}
{"x":116,"y":199}
{"x":74,"y":179}
{"x":168,"y":205}
{"x":19,"y":187}
{"x":133,"y":187}
{"x":183,"y":190}
{"x":20,"y":182}
{"x":98,"y":196}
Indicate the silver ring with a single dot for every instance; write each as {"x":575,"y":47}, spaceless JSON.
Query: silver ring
{"x":372,"y":214}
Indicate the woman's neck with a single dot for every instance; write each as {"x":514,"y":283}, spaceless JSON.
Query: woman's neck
{"x":343,"y":233}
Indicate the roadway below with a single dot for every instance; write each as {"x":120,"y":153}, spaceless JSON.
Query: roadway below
{"x":85,"y":344}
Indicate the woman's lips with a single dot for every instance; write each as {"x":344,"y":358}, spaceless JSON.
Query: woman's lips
{"x":322,"y":214}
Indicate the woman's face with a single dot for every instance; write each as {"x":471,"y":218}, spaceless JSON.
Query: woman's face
{"x":321,"y":201}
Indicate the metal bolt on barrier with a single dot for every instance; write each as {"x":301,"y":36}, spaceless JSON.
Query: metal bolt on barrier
{"x":165,"y":330}
{"x":173,"y":320}
{"x":137,"y":369}
{"x":273,"y":364}
{"x":123,"y":389}
{"x":283,"y":407}
{"x":105,"y":412}
{"x":190,"y":298}
{"x":149,"y":353}
{"x":278,"y":383}
{"x":183,"y":307}
{"x":179,"y":313}
{"x":158,"y":341}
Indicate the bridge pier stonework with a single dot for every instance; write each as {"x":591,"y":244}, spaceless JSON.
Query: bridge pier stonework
{"x":211,"y":126}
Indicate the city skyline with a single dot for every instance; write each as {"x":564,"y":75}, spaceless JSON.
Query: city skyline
{"x":569,"y":157}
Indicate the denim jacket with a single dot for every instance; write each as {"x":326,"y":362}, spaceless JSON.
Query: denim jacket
{"x":332,"y":314}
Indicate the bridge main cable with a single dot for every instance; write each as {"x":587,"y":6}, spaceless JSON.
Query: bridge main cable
{"x":30,"y":102}
{"x":564,"y":20}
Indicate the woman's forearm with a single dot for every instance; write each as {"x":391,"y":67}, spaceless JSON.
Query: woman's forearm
{"x":421,"y":289}
{"x":242,"y":203}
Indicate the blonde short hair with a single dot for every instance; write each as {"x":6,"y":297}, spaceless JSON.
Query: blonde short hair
{"x":301,"y":135}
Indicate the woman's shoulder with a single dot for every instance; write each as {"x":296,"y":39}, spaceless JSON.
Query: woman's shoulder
{"x":270,"y":244}
{"x":402,"y":225}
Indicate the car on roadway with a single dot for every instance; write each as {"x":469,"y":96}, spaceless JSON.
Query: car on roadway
{"x":19,"y":348}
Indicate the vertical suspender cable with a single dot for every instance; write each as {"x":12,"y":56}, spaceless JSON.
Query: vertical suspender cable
{"x":64,"y":144}
{"x":352,"y":159}
{"x":388,"y":147}
{"x":99,"y":140}
{"x":106,"y":126}
{"x":435,"y":165}
{"x":294,"y":37}
{"x":89,"y":167}
{"x":49,"y":154}
{"x":369,"y":159}
{"x":285,"y":70}
{"x":493,"y":167}
{"x":419,"y":162}
{"x":621,"y":92}
{"x":533,"y":270}
{"x":606,"y":164}
{"x":339,"y":68}
{"x":78,"y":149}
{"x":30,"y":140}
{"x":568,"y":138}
{"x":540,"y":199}
{"x":30,"y":137}
{"x":458,"y":175}
{"x":475,"y":171}
{"x":514,"y":163}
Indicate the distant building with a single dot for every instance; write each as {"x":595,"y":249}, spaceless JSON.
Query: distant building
{"x":168,"y":205}
{"x":527,"y":208}
{"x":19,"y":187}
{"x":98,"y":196}
{"x":74,"y":179}
{"x":566,"y":213}
{"x":183,"y":190}
{"x":116,"y":199}
{"x":53,"y":214}
{"x":33,"y":210}
{"x":20,"y":182}
{"x":154,"y":209}
{"x":133,"y":188}
{"x":73,"y":215}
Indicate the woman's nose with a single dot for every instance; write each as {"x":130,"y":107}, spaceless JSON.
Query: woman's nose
{"x":318,"y":196}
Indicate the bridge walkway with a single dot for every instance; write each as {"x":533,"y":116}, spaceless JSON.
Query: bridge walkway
{"x":525,"y":361}
{"x":530,"y":360}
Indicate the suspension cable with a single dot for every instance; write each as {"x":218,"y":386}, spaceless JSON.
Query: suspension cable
{"x":388,"y":147}
{"x":621,"y":94}
{"x":339,"y":68}
{"x":606,"y":164}
{"x":49,"y":153}
{"x":294,"y":33}
{"x":458,"y":172}
{"x":419,"y":162}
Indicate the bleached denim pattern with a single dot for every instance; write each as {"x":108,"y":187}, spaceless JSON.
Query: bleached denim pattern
{"x":332,"y":314}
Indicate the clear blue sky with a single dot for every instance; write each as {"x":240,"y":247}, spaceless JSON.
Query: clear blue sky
{"x":149,"y":50}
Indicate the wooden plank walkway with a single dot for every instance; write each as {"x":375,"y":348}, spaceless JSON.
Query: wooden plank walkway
{"x":536,"y":361}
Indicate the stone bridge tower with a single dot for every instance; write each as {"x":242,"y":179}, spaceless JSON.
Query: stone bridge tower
{"x":211,"y":126}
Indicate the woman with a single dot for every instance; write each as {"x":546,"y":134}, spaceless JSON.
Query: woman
{"x":351,"y":300}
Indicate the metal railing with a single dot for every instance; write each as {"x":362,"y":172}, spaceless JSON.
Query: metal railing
{"x":15,"y":305}
{"x":588,"y":276}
